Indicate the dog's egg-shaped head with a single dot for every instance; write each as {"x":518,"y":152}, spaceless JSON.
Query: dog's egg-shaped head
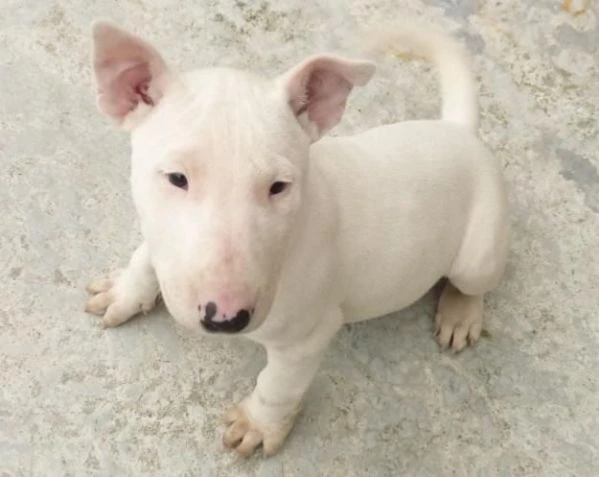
{"x":219,"y":168}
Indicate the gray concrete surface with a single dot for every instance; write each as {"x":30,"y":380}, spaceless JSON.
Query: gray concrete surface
{"x":146,"y":399}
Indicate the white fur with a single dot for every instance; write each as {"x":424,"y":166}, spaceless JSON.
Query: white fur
{"x":370,"y":222}
{"x":458,"y":89}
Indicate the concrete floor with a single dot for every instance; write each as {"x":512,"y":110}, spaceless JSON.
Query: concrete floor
{"x":146,"y":399}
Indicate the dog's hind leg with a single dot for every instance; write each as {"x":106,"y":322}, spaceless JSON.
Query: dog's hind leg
{"x":459,"y":318}
{"x":476,"y":271}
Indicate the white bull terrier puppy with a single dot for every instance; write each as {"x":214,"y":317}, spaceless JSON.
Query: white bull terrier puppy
{"x":256,"y":225}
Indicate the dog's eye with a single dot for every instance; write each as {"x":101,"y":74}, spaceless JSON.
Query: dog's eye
{"x":278,"y":187}
{"x":178,"y":180}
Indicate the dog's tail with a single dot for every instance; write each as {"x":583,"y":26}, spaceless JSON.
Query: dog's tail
{"x":458,"y":88}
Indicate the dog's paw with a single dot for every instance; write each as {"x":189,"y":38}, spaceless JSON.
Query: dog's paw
{"x":456,"y":335}
{"x":117,"y":300}
{"x":244,"y":433}
{"x":459,"y":320}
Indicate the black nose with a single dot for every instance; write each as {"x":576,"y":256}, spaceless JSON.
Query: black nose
{"x":216,"y":324}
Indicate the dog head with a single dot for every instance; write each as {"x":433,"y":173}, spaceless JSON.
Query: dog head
{"x":219,"y":164}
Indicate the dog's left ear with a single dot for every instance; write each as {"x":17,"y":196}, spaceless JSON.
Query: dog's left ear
{"x":317,"y":90}
{"x":129,"y":73}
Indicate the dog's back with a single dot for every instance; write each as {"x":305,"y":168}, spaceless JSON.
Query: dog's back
{"x":408,"y":191}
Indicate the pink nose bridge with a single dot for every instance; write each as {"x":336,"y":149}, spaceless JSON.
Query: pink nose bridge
{"x":230,"y":301}
{"x":226,"y":282}
{"x":226,"y":295}
{"x":227,"y":255}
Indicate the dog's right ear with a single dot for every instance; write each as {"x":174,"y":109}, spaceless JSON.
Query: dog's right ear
{"x":130,"y":75}
{"x":317,"y":90}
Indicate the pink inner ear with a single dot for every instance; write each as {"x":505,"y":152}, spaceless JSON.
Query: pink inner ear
{"x":318,"y":88}
{"x":324,"y":99}
{"x":121,"y":94}
{"x":128,"y":71}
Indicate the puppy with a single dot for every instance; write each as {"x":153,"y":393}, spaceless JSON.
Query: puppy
{"x":256,"y":224}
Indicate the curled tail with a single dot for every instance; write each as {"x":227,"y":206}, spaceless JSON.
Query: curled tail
{"x":458,"y":88}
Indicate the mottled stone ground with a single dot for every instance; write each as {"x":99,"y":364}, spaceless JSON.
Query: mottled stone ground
{"x":146,"y":399}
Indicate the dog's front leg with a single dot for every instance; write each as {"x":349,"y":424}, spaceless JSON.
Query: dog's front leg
{"x":268,"y":414}
{"x":126,"y":292}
